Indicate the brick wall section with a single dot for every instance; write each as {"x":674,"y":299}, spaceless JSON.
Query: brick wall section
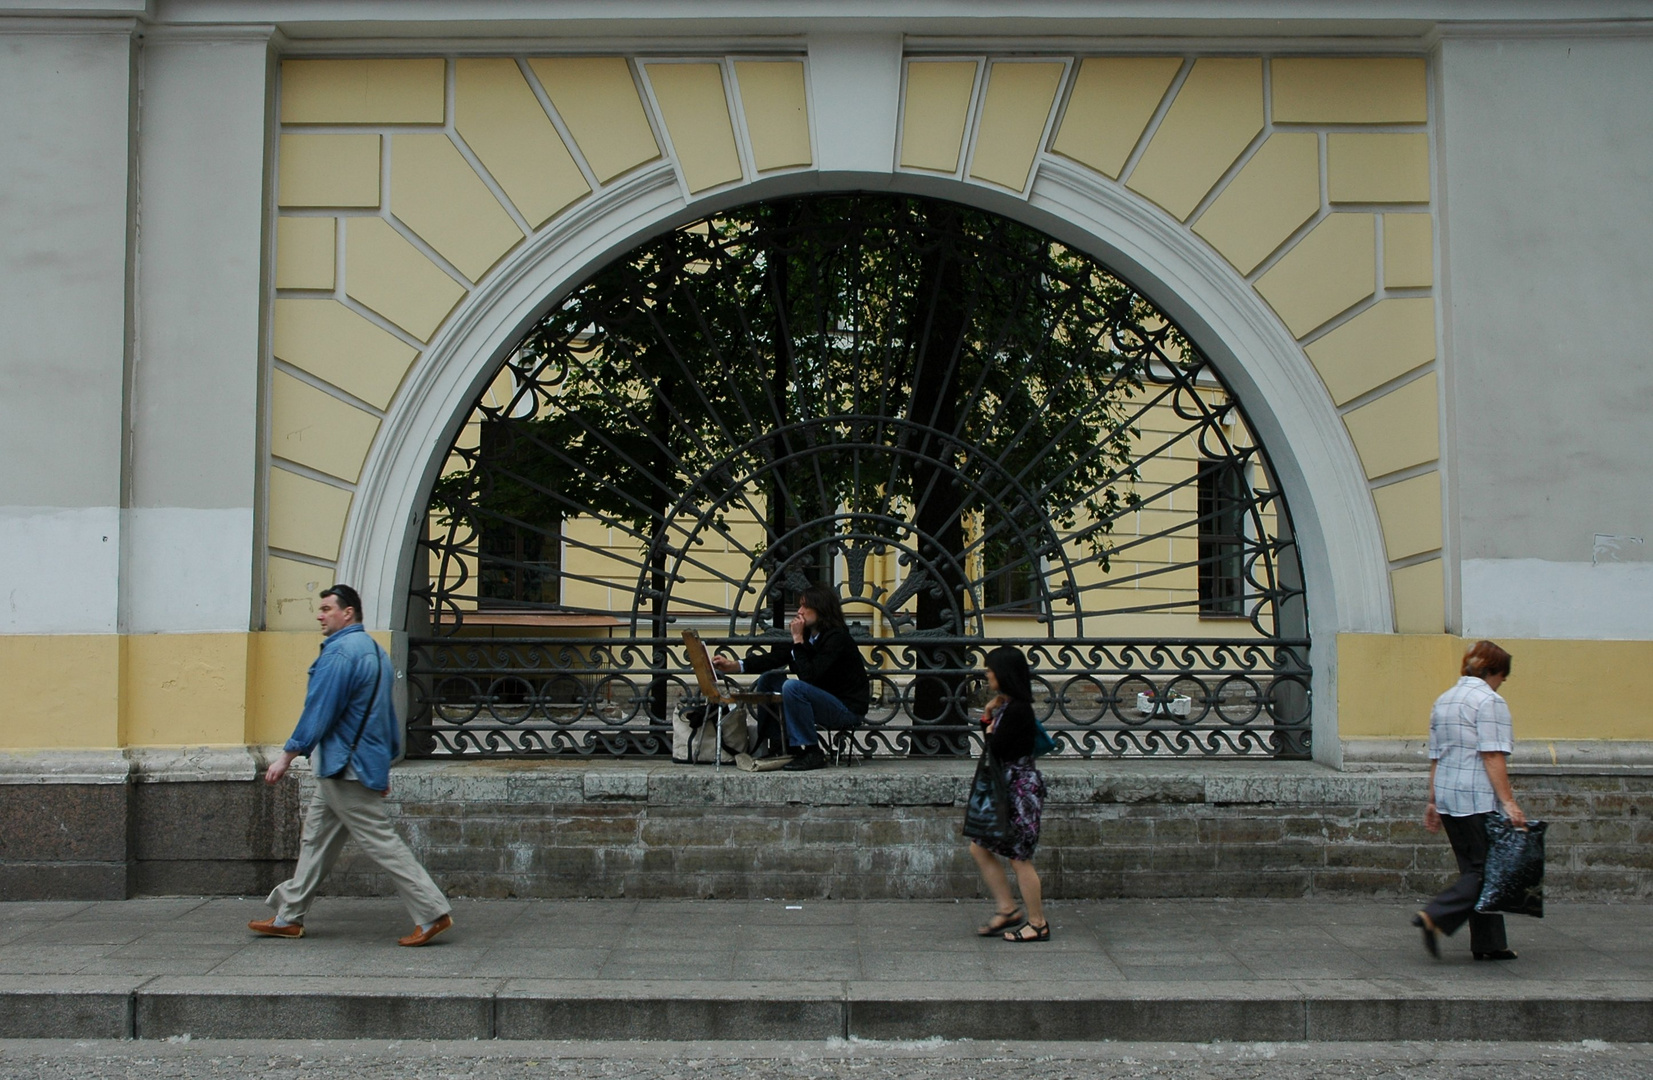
{"x":891,"y":830}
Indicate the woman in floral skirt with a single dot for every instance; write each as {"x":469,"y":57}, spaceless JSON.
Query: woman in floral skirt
{"x":1011,"y":729}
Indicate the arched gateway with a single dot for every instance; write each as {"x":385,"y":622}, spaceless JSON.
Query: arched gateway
{"x":977,"y":433}
{"x":1207,"y":194}
{"x":278,"y":254}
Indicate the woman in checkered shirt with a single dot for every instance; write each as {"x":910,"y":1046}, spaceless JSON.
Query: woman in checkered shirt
{"x":1470,"y":740}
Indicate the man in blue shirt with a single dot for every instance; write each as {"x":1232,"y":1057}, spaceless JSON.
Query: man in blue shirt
{"x":349,"y":732}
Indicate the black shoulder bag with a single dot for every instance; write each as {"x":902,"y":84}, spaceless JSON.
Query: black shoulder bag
{"x":987,"y":813}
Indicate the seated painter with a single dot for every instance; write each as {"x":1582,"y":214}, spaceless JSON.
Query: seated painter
{"x":830,"y":690}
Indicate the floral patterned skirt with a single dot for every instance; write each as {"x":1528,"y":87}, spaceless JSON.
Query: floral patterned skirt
{"x":1027,"y":801}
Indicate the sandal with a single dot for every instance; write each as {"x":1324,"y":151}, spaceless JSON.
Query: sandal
{"x":1040,"y":933}
{"x":1001,"y":922}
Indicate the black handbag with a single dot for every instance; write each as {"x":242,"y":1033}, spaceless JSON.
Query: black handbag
{"x":987,"y":812}
{"x":1513,"y":880}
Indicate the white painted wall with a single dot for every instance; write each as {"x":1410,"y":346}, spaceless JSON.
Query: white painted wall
{"x":63,"y":220}
{"x":855,"y":92}
{"x":1537,"y":598}
{"x":188,"y":569}
{"x":189,"y":554}
{"x":1546,"y":166}
{"x":60,"y":569}
{"x":63,"y":289}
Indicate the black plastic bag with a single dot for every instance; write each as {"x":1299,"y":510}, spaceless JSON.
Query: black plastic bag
{"x":1513,"y":880}
{"x":987,"y":813}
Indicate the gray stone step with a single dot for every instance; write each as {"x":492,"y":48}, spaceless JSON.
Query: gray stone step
{"x":170,"y":1007}
{"x":1231,"y":970}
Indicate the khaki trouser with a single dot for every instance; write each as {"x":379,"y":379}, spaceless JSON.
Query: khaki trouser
{"x":344,"y":809}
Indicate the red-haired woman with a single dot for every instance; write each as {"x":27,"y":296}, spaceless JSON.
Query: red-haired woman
{"x":1470,"y":740}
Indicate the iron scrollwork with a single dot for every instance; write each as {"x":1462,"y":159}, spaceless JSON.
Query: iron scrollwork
{"x":980,"y":435}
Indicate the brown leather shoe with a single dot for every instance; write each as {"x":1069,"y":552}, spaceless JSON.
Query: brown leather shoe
{"x":422,"y":937}
{"x":268,"y":928}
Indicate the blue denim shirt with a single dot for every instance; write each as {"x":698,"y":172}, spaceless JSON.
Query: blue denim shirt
{"x":335,"y":708}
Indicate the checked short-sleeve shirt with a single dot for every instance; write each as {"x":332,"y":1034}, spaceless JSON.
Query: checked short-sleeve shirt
{"x":1468,"y":720}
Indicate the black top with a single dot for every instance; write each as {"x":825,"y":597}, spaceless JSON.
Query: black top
{"x":831,"y":662}
{"x":1013,"y":737}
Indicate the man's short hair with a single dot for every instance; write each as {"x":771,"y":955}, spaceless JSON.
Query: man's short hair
{"x":347,"y":598}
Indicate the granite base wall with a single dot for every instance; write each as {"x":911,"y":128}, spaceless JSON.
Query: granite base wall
{"x":113,"y":840}
{"x":891,"y":831}
{"x":884,"y":830}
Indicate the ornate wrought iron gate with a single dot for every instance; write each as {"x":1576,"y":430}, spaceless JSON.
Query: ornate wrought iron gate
{"x":980,"y":435}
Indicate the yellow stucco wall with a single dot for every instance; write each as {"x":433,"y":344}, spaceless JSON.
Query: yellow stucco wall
{"x":1386,"y":684}
{"x":106,"y":691}
{"x":61,"y":690}
{"x":113,"y":690}
{"x":387,"y":230}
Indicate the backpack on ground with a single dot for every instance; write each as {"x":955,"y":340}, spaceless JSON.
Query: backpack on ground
{"x":695,"y":734}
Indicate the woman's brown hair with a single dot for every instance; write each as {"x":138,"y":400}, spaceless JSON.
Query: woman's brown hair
{"x":824,"y":599}
{"x":1483,"y":659}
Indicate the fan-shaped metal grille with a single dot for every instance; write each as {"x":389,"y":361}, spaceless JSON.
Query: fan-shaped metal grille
{"x":979,"y":435}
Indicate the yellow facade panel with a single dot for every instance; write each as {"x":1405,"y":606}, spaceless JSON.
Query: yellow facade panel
{"x":1349,"y":90}
{"x":185,"y":689}
{"x":585,"y":594}
{"x":1580,"y":689}
{"x":363,"y":91}
{"x":776,"y":107}
{"x":696,"y":113}
{"x":1410,"y":512}
{"x":1408,"y":251}
{"x":1330,"y":270}
{"x":585,"y":529}
{"x":597,"y":99}
{"x":1399,"y":430}
{"x":306,"y":250}
{"x":1015,"y":106}
{"x":501,"y":120}
{"x":1386,"y":683}
{"x":697,"y":590}
{"x":1387,"y":167}
{"x":386,"y":273}
{"x":1558,"y":689}
{"x":62,"y":691}
{"x":1113,"y":99}
{"x":317,"y":430}
{"x":1420,"y":598}
{"x":1275,"y":193}
{"x":935,"y":112}
{"x":292,"y":591}
{"x":305,"y":515}
{"x":1382,"y":343}
{"x":338,"y":346}
{"x":328,"y":170}
{"x":436,"y":193}
{"x":276,"y":680}
{"x":1216,"y":114}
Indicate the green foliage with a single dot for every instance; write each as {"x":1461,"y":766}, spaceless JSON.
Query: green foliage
{"x":855,"y":357}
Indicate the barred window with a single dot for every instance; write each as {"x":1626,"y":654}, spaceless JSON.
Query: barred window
{"x":1222,"y":504}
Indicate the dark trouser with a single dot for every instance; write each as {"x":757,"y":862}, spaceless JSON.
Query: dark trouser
{"x":1468,"y":836}
{"x":806,"y":708}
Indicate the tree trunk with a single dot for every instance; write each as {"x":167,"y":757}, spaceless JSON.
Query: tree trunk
{"x":937,"y":493}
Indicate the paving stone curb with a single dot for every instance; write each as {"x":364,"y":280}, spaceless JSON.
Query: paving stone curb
{"x":171,"y":1007}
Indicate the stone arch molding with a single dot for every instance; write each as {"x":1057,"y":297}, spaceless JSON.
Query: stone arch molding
{"x":1278,"y":208}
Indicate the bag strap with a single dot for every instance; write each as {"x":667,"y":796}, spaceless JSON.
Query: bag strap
{"x":378,"y":664}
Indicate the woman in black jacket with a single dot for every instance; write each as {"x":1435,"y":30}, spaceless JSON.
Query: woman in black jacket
{"x":1011,"y":728}
{"x":830,"y":690}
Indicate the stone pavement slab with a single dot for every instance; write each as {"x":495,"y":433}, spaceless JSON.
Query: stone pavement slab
{"x":667,"y":969}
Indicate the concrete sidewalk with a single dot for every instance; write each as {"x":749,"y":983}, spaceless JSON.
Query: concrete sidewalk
{"x":606,"y":969}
